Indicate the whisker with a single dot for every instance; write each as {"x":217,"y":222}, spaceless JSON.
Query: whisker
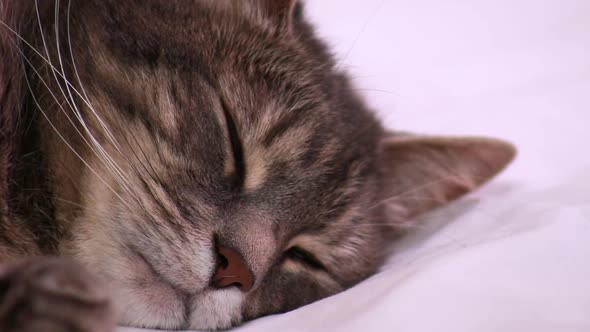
{"x":84,"y":207}
{"x":378,"y":90}
{"x":70,"y":86}
{"x":109,"y":162}
{"x":363,"y":28}
{"x":36,"y":102}
{"x":55,"y":98}
{"x":54,"y":70}
{"x":100,"y":120}
{"x":102,"y":123}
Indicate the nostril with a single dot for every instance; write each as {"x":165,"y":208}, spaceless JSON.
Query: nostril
{"x":222,"y":261}
{"x":232,"y":270}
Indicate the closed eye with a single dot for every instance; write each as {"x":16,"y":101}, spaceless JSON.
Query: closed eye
{"x":239,"y":174}
{"x":302,"y":256}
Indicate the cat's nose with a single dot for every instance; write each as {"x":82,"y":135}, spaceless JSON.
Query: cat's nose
{"x":232,"y":270}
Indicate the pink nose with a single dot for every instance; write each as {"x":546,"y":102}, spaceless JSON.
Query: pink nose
{"x":232,"y":270}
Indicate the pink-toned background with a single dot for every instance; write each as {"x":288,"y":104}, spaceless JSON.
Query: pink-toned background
{"x":518,"y":69}
{"x":516,"y":256}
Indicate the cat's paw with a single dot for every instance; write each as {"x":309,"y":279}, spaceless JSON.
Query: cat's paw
{"x":52,"y":295}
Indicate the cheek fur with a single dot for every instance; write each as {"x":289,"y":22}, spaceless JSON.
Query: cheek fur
{"x":159,"y":275}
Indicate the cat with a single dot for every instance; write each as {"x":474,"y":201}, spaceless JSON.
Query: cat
{"x":195,"y":164}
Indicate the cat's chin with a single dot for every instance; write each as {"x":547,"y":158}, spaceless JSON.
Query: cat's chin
{"x":160,"y":307}
{"x":145,"y":298}
{"x":216,"y":309}
{"x":151,"y":301}
{"x":148,"y":292}
{"x":153,"y":305}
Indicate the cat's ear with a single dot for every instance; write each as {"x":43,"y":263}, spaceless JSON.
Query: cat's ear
{"x":280,"y":12}
{"x":420,"y":173}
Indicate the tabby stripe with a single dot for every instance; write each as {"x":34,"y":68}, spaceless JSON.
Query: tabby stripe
{"x":289,"y":120}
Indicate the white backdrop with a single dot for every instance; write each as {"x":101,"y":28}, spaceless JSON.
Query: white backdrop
{"x":514,"y":256}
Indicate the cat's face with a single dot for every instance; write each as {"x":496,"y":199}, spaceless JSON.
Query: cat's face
{"x":229,"y":171}
{"x":233,"y":136}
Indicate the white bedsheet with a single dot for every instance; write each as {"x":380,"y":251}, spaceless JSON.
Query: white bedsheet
{"x":514,"y":256}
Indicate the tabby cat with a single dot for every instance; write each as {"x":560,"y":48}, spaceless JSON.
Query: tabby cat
{"x":194,"y":164}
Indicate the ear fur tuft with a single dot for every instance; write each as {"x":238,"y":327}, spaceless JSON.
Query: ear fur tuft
{"x":419,"y":173}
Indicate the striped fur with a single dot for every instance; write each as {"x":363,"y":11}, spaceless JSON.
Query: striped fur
{"x":138,"y":135}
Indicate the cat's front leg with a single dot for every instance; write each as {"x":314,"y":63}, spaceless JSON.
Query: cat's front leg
{"x":51,"y":295}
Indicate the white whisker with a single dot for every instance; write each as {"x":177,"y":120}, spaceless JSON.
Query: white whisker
{"x":86,"y":208}
{"x":83,"y":98}
{"x":363,"y":28}
{"x":95,"y":147}
{"x":111,"y":164}
{"x":36,"y":102}
{"x":52,"y":67}
{"x":102,"y":123}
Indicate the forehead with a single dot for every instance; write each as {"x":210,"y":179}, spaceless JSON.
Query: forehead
{"x":269,"y":82}
{"x":301,"y":127}
{"x":250,"y":67}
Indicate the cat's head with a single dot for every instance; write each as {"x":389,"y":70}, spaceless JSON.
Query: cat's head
{"x":218,"y":167}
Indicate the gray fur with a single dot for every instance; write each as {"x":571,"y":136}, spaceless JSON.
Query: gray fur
{"x":170,"y":128}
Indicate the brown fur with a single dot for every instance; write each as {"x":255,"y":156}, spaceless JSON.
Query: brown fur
{"x":145,"y":134}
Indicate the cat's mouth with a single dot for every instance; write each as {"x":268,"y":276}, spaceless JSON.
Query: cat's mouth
{"x":179,"y":308}
{"x":150,"y":266}
{"x":230,"y":271}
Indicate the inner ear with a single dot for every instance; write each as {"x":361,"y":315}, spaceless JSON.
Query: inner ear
{"x":421,"y":173}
